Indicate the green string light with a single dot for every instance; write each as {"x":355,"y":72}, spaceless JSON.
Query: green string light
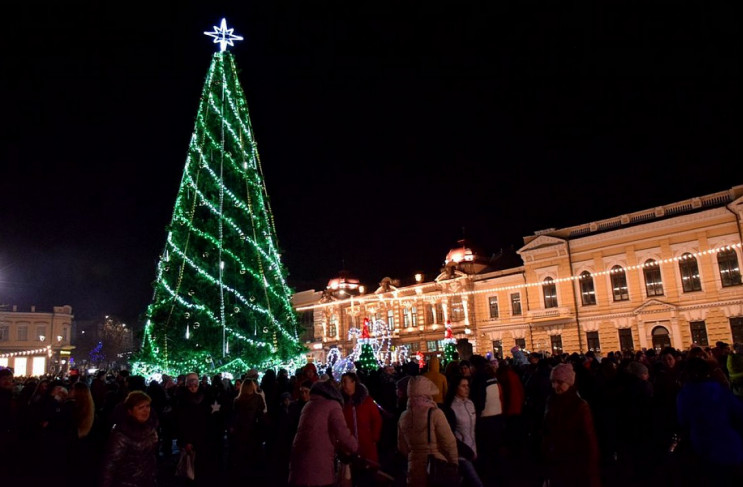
{"x":221,"y":252}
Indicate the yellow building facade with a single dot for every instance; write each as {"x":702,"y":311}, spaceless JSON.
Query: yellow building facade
{"x":35,"y":343}
{"x":662,"y":276}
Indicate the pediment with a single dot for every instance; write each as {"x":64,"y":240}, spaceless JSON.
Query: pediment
{"x":541,"y":242}
{"x":654,"y":306}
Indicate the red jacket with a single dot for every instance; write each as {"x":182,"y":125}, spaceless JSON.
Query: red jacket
{"x":367,"y":425}
{"x":513,"y":390}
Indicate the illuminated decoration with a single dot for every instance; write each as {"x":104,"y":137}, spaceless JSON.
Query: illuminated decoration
{"x":221,"y":302}
{"x":373,"y":344}
{"x":36,"y":351}
{"x":450,"y":343}
{"x":223,"y":36}
{"x":338,"y":364}
{"x":96,"y":355}
{"x":367,"y":359}
{"x":380,"y":299}
{"x":421,"y":360}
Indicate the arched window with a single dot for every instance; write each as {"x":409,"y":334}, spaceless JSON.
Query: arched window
{"x":619,"y":284}
{"x":587,"y":291}
{"x":550,"y":293}
{"x":689,"y":269}
{"x":727,"y":260}
{"x":653,"y":282}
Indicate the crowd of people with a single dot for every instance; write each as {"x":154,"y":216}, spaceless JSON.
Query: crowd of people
{"x":666,"y":417}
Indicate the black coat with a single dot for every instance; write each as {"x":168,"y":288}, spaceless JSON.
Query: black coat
{"x":131,"y":456}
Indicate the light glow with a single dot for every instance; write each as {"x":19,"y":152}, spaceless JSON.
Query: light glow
{"x":223,"y":36}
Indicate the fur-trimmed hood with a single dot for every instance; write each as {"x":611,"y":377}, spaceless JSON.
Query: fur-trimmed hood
{"x":359,"y":395}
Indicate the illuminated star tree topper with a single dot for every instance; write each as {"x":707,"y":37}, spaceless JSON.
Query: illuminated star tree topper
{"x":223,"y":36}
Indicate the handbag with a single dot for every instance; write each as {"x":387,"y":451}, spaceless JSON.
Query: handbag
{"x":343,"y":474}
{"x":185,"y":467}
{"x":440,"y":473}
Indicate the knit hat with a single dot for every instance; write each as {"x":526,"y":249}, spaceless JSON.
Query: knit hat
{"x":564,"y":373}
{"x":515,"y":349}
{"x":326,"y":389}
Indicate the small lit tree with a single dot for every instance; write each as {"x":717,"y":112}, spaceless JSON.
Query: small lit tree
{"x":367,"y":360}
{"x":450,"y":344}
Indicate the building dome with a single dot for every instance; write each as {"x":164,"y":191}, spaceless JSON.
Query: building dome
{"x":459,"y":255}
{"x":344,"y":285}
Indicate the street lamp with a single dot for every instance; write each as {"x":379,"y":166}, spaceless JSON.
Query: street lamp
{"x":42,"y":338}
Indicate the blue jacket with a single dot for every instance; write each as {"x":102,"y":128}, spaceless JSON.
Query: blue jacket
{"x":714,"y":419}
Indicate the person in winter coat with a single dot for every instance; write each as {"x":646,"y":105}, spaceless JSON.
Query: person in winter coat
{"x":364,"y":421}
{"x":245,"y":433}
{"x":130,"y":459}
{"x":460,"y":412}
{"x":193,"y":415}
{"x":413,"y":429}
{"x":735,"y":368}
{"x":439,"y":380}
{"x":711,"y":419}
{"x":569,"y":440}
{"x":322,"y":431}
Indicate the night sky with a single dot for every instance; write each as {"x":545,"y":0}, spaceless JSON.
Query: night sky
{"x":387,"y":129}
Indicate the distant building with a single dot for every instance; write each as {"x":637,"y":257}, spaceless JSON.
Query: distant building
{"x":35,"y":343}
{"x":663,"y":276}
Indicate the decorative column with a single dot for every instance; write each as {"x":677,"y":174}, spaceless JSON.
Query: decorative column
{"x":643,"y":332}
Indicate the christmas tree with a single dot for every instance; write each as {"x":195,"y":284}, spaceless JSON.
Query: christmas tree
{"x":450,"y":343}
{"x":96,"y":355}
{"x":367,"y":360}
{"x":220,"y":301}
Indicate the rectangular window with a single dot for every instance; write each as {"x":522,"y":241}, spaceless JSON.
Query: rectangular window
{"x":625,"y":339}
{"x":40,"y":332}
{"x":439,"y":313}
{"x":432,"y":345}
{"x":38,"y":366}
{"x":429,"y":314}
{"x":391,"y":319}
{"x":592,"y":339}
{"x":493,"y":306}
{"x":498,"y":348}
{"x":699,"y":333}
{"x":457,"y":309}
{"x":4,"y":362}
{"x":23,"y":333}
{"x":414,"y":316}
{"x":4,"y":333}
{"x":556,"y":342}
{"x":412,"y":348}
{"x":521,"y":342}
{"x":515,"y":304}
{"x":736,"y":328}
{"x":20,"y":364}
{"x":406,"y":318}
{"x":65,"y":332}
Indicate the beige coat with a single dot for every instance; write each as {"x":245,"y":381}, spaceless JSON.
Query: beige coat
{"x":412,"y":433}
